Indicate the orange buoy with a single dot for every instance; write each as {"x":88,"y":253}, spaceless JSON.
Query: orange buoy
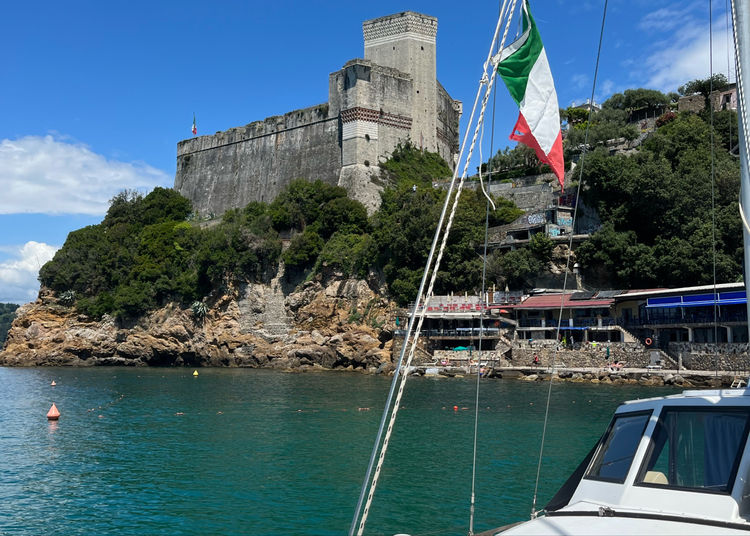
{"x":455,"y":408}
{"x":53,"y":414}
{"x":53,"y":383}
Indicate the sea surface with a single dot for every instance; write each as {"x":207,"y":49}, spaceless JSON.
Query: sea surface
{"x":255,"y":452}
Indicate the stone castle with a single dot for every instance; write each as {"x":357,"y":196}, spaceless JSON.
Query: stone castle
{"x":390,"y":96}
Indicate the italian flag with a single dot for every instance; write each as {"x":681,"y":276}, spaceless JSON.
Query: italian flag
{"x":524,"y":68}
{"x":194,"y":130}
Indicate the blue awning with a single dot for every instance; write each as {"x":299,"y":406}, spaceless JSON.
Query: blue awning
{"x":697,"y":300}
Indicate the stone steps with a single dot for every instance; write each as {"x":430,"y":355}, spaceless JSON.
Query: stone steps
{"x":263,"y":310}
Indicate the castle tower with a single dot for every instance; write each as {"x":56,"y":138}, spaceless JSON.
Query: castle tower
{"x":406,"y":41}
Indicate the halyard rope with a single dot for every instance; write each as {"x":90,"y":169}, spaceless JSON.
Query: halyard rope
{"x":402,"y":370}
{"x":741,"y":104}
{"x":534,"y":511}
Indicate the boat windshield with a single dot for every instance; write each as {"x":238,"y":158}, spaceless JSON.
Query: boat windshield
{"x":696,"y":448}
{"x":618,"y":447}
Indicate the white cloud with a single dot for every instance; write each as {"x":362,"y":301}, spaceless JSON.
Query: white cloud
{"x":579,"y":81}
{"x":668,"y":18}
{"x":605,"y":90}
{"x":684,"y":54}
{"x":18,"y":276}
{"x":49,"y":175}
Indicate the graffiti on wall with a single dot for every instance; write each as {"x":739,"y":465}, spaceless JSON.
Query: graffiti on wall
{"x":536,"y":219}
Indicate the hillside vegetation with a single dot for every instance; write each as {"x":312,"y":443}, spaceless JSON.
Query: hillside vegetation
{"x":655,"y":202}
{"x":147,"y":251}
{"x":656,"y":208}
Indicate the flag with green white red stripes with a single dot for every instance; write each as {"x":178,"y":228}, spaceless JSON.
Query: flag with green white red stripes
{"x":524,"y":68}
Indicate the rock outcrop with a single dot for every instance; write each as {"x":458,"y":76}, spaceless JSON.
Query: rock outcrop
{"x":344,"y":324}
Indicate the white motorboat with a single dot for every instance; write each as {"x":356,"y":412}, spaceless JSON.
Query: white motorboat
{"x":670,"y":465}
{"x":673,"y":465}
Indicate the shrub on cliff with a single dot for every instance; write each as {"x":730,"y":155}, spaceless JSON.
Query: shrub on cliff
{"x":7,"y":314}
{"x":303,"y":250}
{"x":404,"y":226}
{"x":301,"y":203}
{"x":408,"y":165}
{"x":348,"y":253}
{"x":144,"y":254}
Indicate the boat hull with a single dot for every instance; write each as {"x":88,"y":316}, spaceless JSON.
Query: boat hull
{"x":593,"y":524}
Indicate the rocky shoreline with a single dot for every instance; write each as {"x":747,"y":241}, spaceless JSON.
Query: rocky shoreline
{"x":684,"y":379}
{"x":341,"y":325}
{"x":344,"y":324}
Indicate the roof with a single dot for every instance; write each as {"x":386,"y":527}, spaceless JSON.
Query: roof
{"x":608,"y":293}
{"x":651,"y":293}
{"x":552,"y":301}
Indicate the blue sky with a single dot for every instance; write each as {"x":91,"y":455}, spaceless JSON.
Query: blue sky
{"x":94,"y":96}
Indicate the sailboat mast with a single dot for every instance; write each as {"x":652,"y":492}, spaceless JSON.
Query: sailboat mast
{"x":741,"y":27}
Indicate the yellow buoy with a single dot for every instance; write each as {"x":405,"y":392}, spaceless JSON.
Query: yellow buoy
{"x":195,"y":373}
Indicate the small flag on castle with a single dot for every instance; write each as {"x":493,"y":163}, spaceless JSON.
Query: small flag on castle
{"x":194,"y":129}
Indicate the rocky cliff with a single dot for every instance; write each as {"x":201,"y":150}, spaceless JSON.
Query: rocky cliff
{"x":343,"y":324}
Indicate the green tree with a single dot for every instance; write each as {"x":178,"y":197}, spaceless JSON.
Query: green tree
{"x":7,"y":315}
{"x":409,"y":166}
{"x":704,"y":86}
{"x":519,"y":268}
{"x":343,"y":215}
{"x":349,"y":253}
{"x":634,"y":99}
{"x":303,"y":250}
{"x":574,"y":114}
{"x":657,"y":212}
{"x":301,"y":202}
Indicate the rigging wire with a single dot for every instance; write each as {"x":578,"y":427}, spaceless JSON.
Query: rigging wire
{"x":742,"y":134}
{"x":482,"y":302}
{"x":534,"y":512}
{"x":741,"y":104}
{"x":713,"y":176}
{"x":401,"y":368}
{"x":729,"y":71}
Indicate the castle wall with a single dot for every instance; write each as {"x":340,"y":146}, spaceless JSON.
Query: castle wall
{"x":374,"y":104}
{"x":448,"y":116}
{"x":255,"y":162}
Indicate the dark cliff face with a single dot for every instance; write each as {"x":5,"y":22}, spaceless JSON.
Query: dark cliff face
{"x":319,"y":333}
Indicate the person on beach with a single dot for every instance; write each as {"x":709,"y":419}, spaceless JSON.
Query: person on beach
{"x":536,"y":360}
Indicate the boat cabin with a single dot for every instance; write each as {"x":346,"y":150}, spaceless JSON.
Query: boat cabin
{"x":670,"y":465}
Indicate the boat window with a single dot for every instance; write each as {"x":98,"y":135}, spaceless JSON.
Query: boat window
{"x":618,"y":447}
{"x":696,"y":448}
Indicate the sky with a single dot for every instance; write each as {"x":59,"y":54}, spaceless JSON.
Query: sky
{"x":95,"y":96}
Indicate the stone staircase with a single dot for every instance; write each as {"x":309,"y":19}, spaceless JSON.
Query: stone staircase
{"x":262,"y":309}
{"x":627,"y":335}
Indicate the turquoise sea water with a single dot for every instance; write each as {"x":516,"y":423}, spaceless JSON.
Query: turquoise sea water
{"x":236,"y":451}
